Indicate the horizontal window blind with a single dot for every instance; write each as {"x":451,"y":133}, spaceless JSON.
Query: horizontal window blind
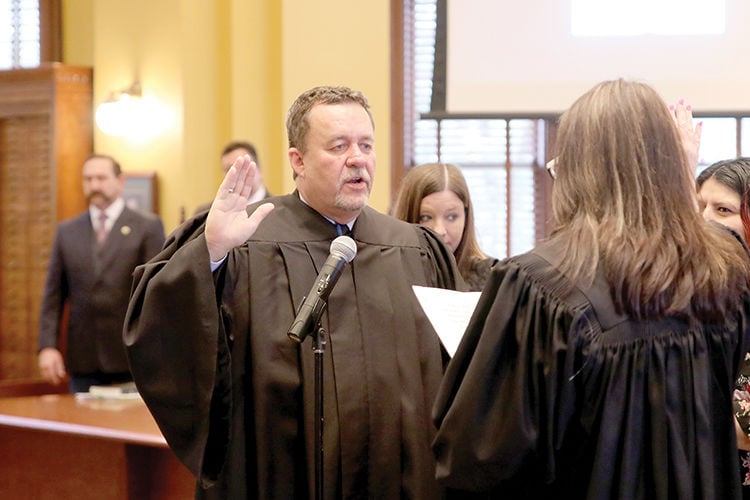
{"x":503,"y":159}
{"x":20,"y":34}
{"x":497,"y":156}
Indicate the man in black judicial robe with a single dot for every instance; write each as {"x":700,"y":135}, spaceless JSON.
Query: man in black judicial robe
{"x":233,"y":395}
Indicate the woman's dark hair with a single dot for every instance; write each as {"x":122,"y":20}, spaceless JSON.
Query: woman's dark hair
{"x":735,"y":175}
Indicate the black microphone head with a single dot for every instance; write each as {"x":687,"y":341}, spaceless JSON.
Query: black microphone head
{"x":344,"y":247}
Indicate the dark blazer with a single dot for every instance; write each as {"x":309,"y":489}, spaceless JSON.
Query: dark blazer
{"x":95,"y":283}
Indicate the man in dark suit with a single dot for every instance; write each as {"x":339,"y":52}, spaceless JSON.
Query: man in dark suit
{"x":231,"y":152}
{"x":90,"y":270}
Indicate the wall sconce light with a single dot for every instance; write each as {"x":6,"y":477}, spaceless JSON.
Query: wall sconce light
{"x":128,"y":113}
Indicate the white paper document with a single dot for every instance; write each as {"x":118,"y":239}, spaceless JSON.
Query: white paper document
{"x":449,"y":312}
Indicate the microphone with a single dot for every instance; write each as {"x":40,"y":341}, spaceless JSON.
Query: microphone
{"x":343,"y":250}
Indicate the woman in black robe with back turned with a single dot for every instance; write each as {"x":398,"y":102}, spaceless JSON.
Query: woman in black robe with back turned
{"x":601,"y":364}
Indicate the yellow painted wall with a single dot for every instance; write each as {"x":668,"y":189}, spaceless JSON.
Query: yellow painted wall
{"x":228,"y":69}
{"x":342,"y":42}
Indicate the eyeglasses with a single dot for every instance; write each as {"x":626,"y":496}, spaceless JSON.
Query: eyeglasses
{"x":551,"y":168}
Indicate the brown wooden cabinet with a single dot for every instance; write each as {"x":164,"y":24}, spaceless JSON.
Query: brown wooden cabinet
{"x":46,"y":132}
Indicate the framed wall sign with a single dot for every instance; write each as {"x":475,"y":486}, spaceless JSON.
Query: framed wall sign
{"x":140,"y":191}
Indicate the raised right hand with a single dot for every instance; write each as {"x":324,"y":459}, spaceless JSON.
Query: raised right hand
{"x":228,"y":225}
{"x":690,"y":132}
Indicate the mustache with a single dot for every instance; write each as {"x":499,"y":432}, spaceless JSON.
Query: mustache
{"x":94,"y":193}
{"x":360,"y":175}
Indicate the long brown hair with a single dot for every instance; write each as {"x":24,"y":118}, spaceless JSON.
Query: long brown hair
{"x":624,"y":202}
{"x":424,"y":180}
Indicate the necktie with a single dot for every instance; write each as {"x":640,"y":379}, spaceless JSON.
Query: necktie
{"x":343,"y":229}
{"x":101,"y":228}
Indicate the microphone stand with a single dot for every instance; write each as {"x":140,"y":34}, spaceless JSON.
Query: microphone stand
{"x":319,"y":342}
{"x":307,"y":322}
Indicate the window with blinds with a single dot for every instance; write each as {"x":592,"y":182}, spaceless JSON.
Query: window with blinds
{"x":500,"y":158}
{"x":20,"y":34}
{"x":724,"y":137}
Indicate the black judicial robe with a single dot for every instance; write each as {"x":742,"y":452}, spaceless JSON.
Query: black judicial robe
{"x":555,"y":395}
{"x":234,"y":396}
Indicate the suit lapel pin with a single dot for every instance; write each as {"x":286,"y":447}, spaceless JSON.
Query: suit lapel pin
{"x":125,"y":230}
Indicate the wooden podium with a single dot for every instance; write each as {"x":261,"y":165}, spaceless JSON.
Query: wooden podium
{"x":56,"y":447}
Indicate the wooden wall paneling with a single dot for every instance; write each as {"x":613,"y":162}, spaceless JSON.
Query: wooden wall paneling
{"x":46,"y":132}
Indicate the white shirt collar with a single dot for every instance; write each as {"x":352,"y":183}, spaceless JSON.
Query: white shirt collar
{"x":113,"y":213}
